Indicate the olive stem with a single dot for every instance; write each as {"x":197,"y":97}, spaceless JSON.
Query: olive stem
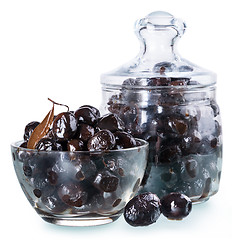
{"x":58,"y":103}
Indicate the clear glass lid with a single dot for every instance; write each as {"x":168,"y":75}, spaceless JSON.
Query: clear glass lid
{"x":158,"y":58}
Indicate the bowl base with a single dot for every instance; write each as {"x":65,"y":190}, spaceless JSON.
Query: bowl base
{"x":83,"y":221}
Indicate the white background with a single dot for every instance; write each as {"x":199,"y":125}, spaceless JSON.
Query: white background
{"x":58,"y":49}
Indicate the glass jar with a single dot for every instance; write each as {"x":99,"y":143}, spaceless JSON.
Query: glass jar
{"x":171,"y":103}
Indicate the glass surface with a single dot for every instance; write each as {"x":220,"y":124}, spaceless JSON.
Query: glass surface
{"x":170,"y":103}
{"x":79,"y":188}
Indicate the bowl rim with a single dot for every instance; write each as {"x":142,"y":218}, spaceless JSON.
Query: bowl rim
{"x":144,"y":145}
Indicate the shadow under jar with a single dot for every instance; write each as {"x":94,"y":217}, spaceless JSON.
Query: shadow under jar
{"x":169,"y":102}
{"x":80,"y":188}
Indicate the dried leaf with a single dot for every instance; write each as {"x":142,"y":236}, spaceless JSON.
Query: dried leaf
{"x":41,"y":130}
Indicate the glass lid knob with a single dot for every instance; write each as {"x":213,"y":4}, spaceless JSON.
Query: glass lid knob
{"x":158,"y":32}
{"x":161,"y":21}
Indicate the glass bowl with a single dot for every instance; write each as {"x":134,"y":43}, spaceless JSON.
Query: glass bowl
{"x":80,"y":188}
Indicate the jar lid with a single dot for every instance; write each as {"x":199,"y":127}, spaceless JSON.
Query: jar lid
{"x":158,"y":63}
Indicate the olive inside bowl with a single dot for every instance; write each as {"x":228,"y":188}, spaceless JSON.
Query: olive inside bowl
{"x":81,"y":188}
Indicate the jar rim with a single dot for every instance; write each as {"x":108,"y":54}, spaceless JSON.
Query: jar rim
{"x":196,"y":80}
{"x":150,"y":88}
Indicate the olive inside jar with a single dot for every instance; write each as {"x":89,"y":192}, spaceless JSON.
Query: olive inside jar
{"x":171,"y":103}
